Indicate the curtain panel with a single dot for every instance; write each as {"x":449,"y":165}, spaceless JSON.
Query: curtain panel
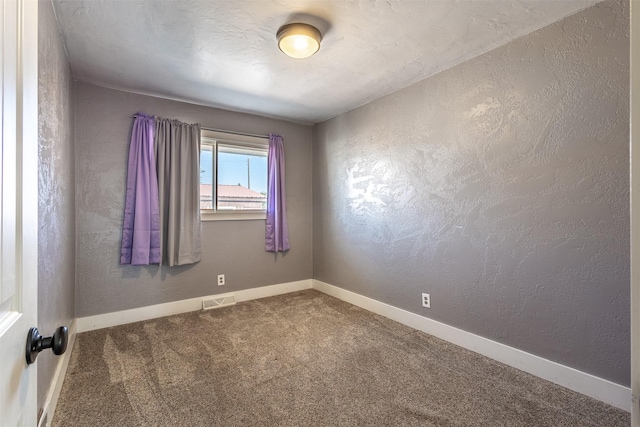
{"x":177,"y":153}
{"x":141,"y":224}
{"x":276,"y":230}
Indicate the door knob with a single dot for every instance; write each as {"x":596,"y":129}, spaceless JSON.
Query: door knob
{"x":36,"y":343}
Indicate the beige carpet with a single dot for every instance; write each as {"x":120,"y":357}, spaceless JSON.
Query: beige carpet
{"x":302,"y":359}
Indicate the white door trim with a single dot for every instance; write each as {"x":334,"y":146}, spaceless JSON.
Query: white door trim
{"x":634,"y":121}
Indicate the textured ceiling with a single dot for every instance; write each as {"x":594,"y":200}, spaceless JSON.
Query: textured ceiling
{"x":224,"y":54}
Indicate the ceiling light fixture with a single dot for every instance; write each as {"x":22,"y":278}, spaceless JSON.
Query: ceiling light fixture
{"x":299,"y":40}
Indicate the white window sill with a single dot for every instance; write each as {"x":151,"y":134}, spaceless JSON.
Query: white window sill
{"x":233,"y":216}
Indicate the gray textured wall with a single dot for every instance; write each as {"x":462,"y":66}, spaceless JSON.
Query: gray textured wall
{"x":235,"y":248}
{"x":499,"y":186}
{"x":56,"y":187}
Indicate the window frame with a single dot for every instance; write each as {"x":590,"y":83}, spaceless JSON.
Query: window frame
{"x":212,"y":138}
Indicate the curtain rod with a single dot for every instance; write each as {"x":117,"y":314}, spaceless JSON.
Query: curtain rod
{"x":228,"y":131}
{"x":236,"y":133}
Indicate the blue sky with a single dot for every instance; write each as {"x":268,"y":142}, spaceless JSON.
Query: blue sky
{"x":233,"y":170}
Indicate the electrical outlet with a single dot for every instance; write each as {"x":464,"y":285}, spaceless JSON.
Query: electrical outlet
{"x":220,"y":279}
{"x":426,"y":300}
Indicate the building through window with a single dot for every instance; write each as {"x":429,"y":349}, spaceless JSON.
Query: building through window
{"x":233,"y":176}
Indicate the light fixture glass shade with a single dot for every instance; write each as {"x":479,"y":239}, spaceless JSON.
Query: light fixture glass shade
{"x":299,"y":40}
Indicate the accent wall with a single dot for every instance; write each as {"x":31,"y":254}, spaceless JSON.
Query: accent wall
{"x":234,"y":248}
{"x":56,"y":192}
{"x":499,"y":186}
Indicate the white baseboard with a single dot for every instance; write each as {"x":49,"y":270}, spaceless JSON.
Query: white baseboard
{"x":106,"y":320}
{"x":53,"y":394}
{"x":581,"y":382}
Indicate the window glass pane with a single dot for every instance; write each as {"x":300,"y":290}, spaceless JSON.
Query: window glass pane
{"x":206,"y":177}
{"x":242,"y":178}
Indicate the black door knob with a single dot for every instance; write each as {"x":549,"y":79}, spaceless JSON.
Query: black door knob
{"x":36,"y":343}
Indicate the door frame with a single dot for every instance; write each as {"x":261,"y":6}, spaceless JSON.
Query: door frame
{"x":634,"y":135}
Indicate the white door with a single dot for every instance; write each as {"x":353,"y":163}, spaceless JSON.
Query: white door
{"x":18,"y":209}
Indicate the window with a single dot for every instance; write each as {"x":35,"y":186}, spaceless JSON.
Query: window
{"x":233,"y":176}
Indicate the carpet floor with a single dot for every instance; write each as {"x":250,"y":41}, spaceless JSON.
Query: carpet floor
{"x":302,"y":359}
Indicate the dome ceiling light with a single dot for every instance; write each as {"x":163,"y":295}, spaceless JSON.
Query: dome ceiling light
{"x":299,"y":40}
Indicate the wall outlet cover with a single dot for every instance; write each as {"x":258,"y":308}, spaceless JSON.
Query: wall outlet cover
{"x":426,"y":300}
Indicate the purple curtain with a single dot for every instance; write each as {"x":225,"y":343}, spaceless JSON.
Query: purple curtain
{"x":277,"y":231}
{"x":141,"y":226}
